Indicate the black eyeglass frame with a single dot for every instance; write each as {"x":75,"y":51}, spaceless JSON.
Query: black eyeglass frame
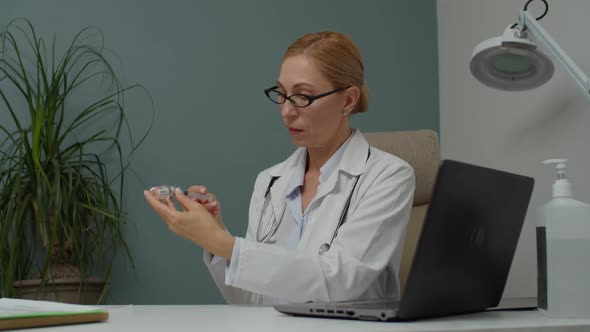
{"x":309,"y":98}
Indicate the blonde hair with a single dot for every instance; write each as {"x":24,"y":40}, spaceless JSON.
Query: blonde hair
{"x":338,"y":59}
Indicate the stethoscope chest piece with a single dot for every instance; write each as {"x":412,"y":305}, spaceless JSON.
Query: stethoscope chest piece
{"x":324,"y":248}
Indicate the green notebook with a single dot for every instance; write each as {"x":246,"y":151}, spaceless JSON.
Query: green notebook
{"x":18,"y":313}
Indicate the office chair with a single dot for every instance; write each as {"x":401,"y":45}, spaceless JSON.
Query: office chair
{"x":420,"y":149}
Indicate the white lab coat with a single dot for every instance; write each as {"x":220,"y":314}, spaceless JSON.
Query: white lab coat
{"x":363,"y":261}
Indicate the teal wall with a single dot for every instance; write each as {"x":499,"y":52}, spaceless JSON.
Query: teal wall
{"x":205,"y":64}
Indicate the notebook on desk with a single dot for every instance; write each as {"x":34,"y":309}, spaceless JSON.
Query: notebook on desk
{"x":464,"y":252}
{"x":21,"y":313}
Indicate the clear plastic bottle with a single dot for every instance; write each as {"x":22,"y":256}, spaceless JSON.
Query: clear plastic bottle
{"x":563,"y":251}
{"x":164,"y":192}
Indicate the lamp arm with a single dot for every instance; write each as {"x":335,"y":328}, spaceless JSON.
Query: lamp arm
{"x":556,"y":52}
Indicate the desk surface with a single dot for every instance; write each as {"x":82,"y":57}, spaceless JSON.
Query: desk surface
{"x":170,"y":318}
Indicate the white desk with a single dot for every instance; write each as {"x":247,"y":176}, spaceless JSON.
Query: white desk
{"x":198,"y":318}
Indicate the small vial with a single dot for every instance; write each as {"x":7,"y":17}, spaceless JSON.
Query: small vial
{"x":163,"y":192}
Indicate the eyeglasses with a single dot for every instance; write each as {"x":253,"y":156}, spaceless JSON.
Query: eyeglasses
{"x":298,"y":100}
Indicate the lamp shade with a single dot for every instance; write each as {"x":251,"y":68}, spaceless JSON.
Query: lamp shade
{"x":510,"y":62}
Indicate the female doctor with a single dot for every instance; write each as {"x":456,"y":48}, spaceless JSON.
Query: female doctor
{"x":326,"y":224}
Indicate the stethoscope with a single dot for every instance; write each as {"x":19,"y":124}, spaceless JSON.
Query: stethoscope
{"x":274,"y":226}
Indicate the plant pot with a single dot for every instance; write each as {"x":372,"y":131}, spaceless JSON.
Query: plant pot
{"x":66,"y":290}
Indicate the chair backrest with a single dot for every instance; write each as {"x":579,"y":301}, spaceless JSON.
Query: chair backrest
{"x":420,"y":149}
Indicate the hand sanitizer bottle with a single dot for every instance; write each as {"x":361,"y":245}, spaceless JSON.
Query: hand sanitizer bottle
{"x":563,"y":251}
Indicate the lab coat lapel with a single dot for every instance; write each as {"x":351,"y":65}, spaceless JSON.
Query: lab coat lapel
{"x":323,"y":221}
{"x":278,"y":190}
{"x":277,"y":197}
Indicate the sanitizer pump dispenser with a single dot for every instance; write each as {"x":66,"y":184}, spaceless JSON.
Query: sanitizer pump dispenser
{"x":563,"y":251}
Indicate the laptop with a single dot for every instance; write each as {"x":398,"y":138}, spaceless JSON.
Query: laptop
{"x":464,"y":252}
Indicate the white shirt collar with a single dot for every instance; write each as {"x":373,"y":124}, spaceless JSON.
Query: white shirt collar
{"x":325,"y":171}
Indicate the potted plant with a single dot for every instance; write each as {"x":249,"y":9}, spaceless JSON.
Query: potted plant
{"x":65,"y":146}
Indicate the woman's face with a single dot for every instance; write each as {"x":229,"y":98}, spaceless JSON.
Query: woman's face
{"x":324,"y":120}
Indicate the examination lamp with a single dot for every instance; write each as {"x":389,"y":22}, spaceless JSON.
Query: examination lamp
{"x":514,"y":62}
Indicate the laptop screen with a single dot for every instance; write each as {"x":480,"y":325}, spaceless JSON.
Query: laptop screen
{"x":468,"y":240}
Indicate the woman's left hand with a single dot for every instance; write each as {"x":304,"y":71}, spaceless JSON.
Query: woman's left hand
{"x":195,"y":223}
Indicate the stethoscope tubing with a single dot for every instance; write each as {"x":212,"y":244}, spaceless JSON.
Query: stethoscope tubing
{"x":274,"y":225}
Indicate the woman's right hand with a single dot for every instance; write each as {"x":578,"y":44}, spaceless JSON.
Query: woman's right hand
{"x":212,"y":204}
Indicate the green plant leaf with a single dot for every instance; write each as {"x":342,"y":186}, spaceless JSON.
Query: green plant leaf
{"x":62,"y":167}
